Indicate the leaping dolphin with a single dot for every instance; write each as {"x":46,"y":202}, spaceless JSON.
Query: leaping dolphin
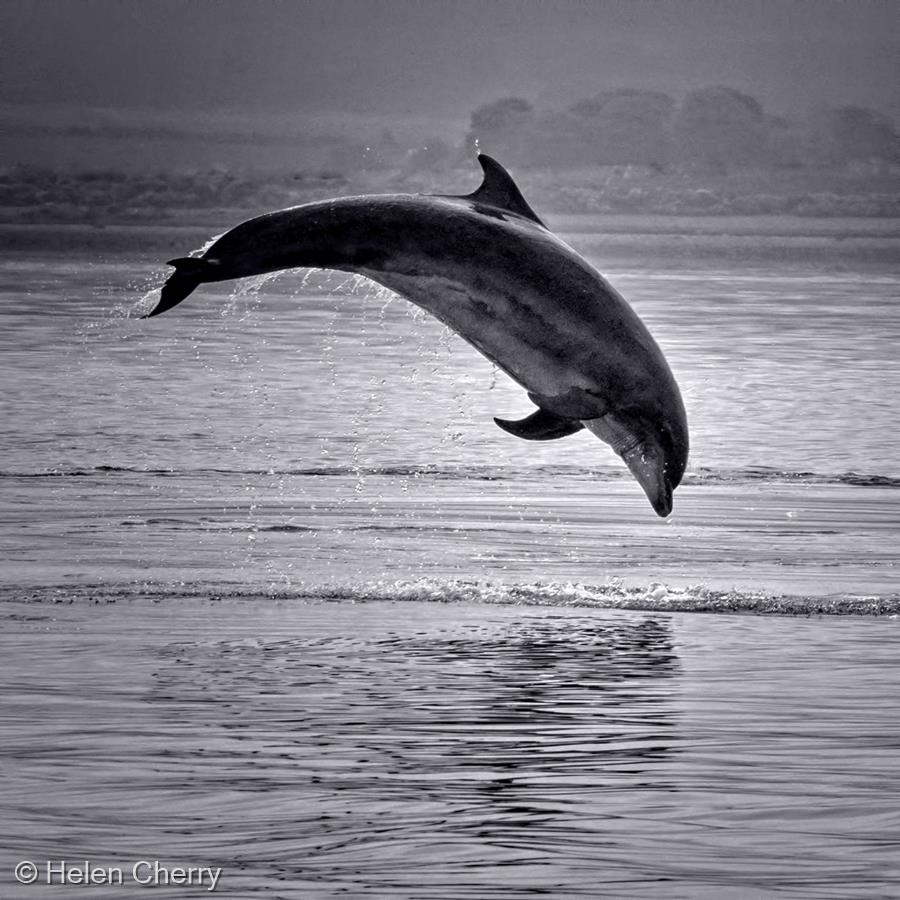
{"x":486,"y":266}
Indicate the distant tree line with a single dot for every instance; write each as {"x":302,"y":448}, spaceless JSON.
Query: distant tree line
{"x":662,"y":157}
{"x":713,"y":128}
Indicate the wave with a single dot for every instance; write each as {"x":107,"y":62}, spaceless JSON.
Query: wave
{"x":651,"y":597}
{"x":698,"y":476}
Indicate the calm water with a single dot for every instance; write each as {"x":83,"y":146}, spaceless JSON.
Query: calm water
{"x":409,"y":688}
{"x":413,"y":750}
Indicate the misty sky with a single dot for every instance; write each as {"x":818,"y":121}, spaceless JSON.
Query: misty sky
{"x":441,"y":57}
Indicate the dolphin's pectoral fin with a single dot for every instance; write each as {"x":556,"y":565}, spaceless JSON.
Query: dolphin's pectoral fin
{"x":541,"y":425}
{"x":500,"y":191}
{"x":576,"y":403}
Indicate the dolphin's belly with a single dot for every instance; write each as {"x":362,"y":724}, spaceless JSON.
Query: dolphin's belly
{"x":527,"y":335}
{"x":504,"y":330}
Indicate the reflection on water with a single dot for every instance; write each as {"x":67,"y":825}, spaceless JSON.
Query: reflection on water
{"x":417,"y":750}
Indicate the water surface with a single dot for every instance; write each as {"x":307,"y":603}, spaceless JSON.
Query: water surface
{"x":279,"y":597}
{"x":455,"y":750}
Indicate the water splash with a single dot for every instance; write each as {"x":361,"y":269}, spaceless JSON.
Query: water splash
{"x":246,"y":295}
{"x":145,"y":304}
{"x":202,"y":250}
{"x":653,"y":596}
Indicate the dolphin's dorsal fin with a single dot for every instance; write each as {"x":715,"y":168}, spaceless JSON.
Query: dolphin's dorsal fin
{"x":500,"y":191}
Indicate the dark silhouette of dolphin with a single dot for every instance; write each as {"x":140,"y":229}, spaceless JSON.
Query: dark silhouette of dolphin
{"x":486,"y":266}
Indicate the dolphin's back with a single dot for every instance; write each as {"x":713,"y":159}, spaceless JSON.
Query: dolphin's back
{"x":495,"y":277}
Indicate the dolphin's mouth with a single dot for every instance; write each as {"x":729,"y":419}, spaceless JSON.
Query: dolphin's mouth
{"x":643,"y":456}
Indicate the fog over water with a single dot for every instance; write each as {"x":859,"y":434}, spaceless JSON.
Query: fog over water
{"x":404,"y":57}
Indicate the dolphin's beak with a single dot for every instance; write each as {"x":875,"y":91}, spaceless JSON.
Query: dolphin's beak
{"x":657,"y":463}
{"x":648,"y":466}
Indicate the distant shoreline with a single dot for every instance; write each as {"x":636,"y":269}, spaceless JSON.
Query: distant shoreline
{"x":677,"y":239}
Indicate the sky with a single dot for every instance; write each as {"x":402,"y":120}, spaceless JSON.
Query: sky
{"x":440,"y":57}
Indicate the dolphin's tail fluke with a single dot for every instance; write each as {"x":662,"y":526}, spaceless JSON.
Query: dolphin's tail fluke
{"x":189,"y":272}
